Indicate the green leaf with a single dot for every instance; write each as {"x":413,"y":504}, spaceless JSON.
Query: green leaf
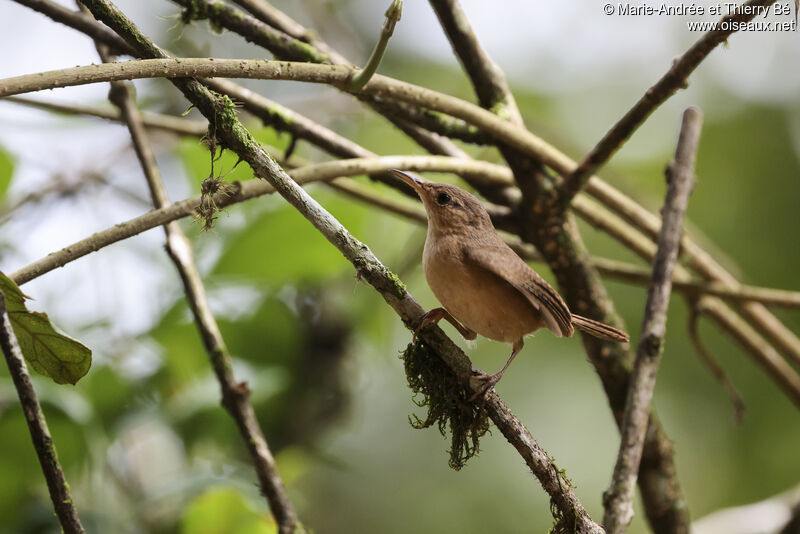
{"x":54,"y":355}
{"x":6,"y":171}
{"x":224,"y":511}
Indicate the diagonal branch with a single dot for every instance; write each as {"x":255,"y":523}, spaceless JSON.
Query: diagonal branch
{"x":618,"y":499}
{"x":40,"y":434}
{"x":675,"y":78}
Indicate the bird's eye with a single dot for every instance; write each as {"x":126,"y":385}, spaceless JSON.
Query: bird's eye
{"x":443,"y":198}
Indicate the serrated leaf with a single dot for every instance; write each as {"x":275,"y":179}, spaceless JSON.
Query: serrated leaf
{"x":50,"y":353}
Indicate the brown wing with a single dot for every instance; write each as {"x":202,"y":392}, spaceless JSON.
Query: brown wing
{"x":504,"y":262}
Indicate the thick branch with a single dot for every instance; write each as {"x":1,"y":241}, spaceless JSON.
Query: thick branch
{"x":675,"y":78}
{"x":618,"y":499}
{"x":40,"y":434}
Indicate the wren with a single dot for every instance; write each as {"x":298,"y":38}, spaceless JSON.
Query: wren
{"x":483,"y":285}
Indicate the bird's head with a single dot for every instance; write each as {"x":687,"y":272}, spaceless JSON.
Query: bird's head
{"x":450,"y":209}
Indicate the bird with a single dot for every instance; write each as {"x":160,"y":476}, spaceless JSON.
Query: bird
{"x":483,"y":285}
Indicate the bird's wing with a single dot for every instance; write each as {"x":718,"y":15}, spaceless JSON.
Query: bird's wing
{"x":504,"y":262}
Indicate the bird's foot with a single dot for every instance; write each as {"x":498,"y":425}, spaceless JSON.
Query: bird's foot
{"x":490,"y":381}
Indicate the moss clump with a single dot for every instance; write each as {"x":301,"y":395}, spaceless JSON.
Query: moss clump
{"x":434,"y":386}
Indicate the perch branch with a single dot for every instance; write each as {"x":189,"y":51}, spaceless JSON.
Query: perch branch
{"x":618,"y":499}
{"x":40,"y":434}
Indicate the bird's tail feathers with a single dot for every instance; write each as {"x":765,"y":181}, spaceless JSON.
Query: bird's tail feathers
{"x":598,"y":329}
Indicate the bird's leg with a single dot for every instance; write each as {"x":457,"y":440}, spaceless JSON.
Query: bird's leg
{"x":436,"y":315}
{"x":491,"y":380}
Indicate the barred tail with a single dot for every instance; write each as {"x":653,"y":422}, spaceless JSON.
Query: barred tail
{"x":598,"y":329}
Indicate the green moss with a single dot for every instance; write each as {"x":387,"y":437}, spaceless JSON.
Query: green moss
{"x":399,"y":288}
{"x":434,"y":386}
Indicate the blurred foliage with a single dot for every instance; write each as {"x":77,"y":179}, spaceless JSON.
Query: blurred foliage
{"x":148,"y":448}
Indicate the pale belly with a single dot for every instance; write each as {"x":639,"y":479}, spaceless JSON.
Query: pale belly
{"x":480,"y":300}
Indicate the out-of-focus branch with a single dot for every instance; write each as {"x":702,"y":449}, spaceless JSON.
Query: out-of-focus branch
{"x":760,"y":350}
{"x":235,"y":396}
{"x":618,"y":499}
{"x":170,"y":123}
{"x":487,"y":78}
{"x":700,"y":261}
{"x":675,"y":78}
{"x":779,"y":513}
{"x":716,"y":369}
{"x":40,"y":434}
{"x":268,"y":14}
{"x":80,"y":22}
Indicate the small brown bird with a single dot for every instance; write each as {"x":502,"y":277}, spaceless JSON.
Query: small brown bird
{"x":482,"y":284}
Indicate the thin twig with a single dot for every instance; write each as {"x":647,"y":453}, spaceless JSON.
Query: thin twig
{"x":618,"y":499}
{"x":170,"y":123}
{"x":393,"y":15}
{"x":675,"y":78}
{"x":37,"y":425}
{"x":697,"y":310}
{"x":234,"y":136}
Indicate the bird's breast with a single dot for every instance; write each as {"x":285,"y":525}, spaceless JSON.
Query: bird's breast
{"x":479,"y":299}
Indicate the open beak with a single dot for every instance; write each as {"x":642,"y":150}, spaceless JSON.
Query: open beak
{"x":415,"y":183}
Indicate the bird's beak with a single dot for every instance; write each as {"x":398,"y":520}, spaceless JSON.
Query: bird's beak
{"x":415,"y":183}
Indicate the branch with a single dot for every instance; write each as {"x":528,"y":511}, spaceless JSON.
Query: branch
{"x":618,"y":499}
{"x":170,"y":123}
{"x":674,"y":79}
{"x":716,"y":369}
{"x":37,"y":425}
{"x":628,"y":272}
{"x":282,"y":45}
{"x":237,"y":192}
{"x":760,"y":350}
{"x":81,"y":22}
{"x":271,"y":16}
{"x":235,"y":396}
{"x":393,"y":15}
{"x":487,"y":78}
{"x":702,"y":262}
